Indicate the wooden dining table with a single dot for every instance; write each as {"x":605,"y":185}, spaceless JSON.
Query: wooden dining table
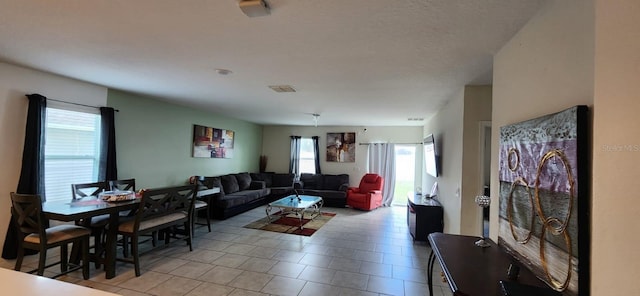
{"x":90,"y":207}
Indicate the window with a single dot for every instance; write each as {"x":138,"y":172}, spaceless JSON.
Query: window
{"x":71,"y":151}
{"x":307,"y":157}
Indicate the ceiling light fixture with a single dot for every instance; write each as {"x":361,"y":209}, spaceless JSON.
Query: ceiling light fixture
{"x":254,"y":8}
{"x":315,"y":118}
{"x":223,"y":71}
{"x":282,"y":88}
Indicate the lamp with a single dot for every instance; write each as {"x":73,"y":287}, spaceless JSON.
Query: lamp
{"x":315,"y":118}
{"x":483,"y":201}
{"x":254,"y":8}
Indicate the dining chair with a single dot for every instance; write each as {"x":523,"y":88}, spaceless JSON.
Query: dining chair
{"x":96,"y":224}
{"x":201,"y":203}
{"x":33,"y":233}
{"x":129,"y":185}
{"x":123,"y":185}
{"x":159,"y":210}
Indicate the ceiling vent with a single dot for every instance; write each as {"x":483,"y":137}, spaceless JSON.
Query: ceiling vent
{"x":282,"y":88}
{"x":415,"y":119}
{"x":254,"y":8}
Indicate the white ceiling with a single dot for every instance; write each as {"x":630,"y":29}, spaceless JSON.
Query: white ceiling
{"x":354,"y":62}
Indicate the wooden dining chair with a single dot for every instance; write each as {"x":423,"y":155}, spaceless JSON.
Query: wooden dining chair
{"x":129,"y":185}
{"x":159,"y":210}
{"x":31,"y":227}
{"x":97,"y":224}
{"x":124,"y":185}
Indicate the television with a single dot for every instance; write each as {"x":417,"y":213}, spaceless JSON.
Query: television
{"x":430,"y":157}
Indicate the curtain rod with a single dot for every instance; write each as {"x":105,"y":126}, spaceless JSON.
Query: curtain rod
{"x":78,"y":104}
{"x":419,"y":143}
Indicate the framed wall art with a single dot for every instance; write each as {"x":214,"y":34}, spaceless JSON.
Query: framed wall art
{"x":211,"y":142}
{"x":341,"y":147}
{"x":544,"y":174}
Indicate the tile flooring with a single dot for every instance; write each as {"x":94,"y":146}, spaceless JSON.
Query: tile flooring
{"x":355,"y":253}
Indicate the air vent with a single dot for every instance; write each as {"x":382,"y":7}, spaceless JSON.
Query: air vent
{"x":415,"y":119}
{"x":282,"y":88}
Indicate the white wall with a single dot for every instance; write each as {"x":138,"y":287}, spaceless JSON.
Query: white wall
{"x":477,"y":108}
{"x":447,"y":129}
{"x":616,"y":149}
{"x":546,"y":67}
{"x":276,"y":146}
{"x":15,"y":82}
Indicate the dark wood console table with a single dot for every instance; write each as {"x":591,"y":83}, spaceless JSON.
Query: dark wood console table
{"x":471,"y":270}
{"x":424,"y":216}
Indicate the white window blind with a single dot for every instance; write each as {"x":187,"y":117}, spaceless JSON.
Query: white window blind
{"x":72,"y":150}
{"x":307,"y":157}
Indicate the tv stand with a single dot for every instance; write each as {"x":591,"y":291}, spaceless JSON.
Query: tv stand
{"x":424,"y":216}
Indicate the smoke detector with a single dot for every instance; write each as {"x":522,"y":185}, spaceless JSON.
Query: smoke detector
{"x":254,"y":8}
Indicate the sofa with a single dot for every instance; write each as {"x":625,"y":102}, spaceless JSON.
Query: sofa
{"x":332,"y":188}
{"x":244,"y":191}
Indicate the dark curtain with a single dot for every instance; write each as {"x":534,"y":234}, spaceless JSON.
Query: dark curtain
{"x":294,"y":163}
{"x":316,"y":152}
{"x":107,"y":169}
{"x":32,"y":172}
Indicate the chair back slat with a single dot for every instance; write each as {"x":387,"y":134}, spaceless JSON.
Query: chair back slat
{"x":26,"y":212}
{"x":158,"y":202}
{"x":79,"y":191}
{"x":123,"y":185}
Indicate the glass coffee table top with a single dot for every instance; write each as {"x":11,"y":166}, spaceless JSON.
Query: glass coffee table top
{"x":297,"y":205}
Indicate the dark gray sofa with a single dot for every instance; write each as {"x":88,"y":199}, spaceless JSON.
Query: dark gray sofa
{"x":238,"y":193}
{"x":244,"y":191}
{"x":332,"y":188}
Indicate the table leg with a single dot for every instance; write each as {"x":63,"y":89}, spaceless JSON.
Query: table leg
{"x":430,"y":263}
{"x":301,"y":219}
{"x":268,"y":210}
{"x":111,"y":243}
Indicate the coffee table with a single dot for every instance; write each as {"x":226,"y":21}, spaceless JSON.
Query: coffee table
{"x":297,"y":205}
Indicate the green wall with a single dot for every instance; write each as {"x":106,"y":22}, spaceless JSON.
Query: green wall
{"x":154,"y":138}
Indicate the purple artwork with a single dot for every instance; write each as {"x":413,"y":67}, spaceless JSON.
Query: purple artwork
{"x":544,"y":197}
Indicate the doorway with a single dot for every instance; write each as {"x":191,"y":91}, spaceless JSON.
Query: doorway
{"x":485,"y":171}
{"x":405,"y":173}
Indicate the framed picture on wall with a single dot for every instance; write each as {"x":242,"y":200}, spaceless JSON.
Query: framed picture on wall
{"x":341,"y":147}
{"x":544,"y":177}
{"x":209,"y":142}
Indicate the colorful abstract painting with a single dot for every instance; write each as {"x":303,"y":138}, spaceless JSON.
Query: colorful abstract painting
{"x":545,"y":197}
{"x":212,"y":142}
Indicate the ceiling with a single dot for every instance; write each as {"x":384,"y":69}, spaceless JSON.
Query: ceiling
{"x":353,"y":62}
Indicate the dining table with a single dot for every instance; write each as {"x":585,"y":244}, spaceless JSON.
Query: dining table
{"x":86,"y":208}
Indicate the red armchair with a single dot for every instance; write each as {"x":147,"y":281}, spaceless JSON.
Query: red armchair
{"x":369,"y":195}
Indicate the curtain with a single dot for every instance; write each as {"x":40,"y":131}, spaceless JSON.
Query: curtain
{"x":294,"y":163}
{"x":107,"y":169}
{"x":32,"y":171}
{"x":382,"y":162}
{"x":316,"y":152}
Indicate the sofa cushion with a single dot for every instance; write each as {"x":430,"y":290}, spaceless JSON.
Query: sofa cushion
{"x":311,"y":181}
{"x":266,"y":177}
{"x":282,"y":180}
{"x":211,"y":182}
{"x":244,"y":180}
{"x":229,"y":183}
{"x":334,"y":182}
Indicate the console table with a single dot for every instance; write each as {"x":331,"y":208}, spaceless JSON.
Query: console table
{"x":471,"y":270}
{"x":424,"y":216}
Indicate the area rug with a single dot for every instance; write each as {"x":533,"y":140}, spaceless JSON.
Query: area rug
{"x":290,"y":224}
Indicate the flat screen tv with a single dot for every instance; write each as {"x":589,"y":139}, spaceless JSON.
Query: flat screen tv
{"x":430,"y":157}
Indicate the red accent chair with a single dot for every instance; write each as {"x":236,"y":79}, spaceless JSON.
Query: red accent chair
{"x":369,"y":195}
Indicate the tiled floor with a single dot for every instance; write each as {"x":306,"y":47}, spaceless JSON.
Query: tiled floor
{"x":355,"y":253}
